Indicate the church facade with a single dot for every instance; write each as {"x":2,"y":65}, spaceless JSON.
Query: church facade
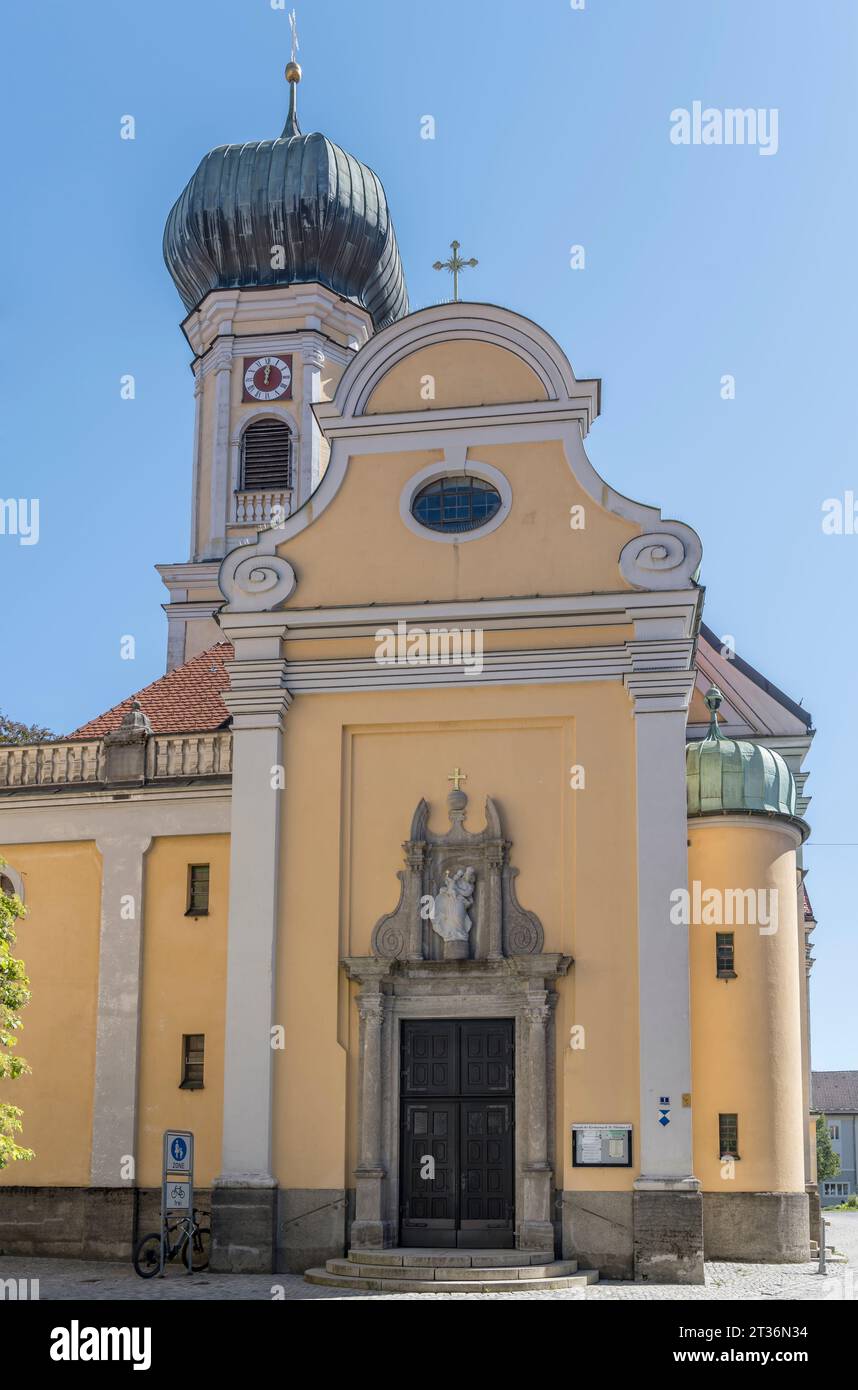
{"x":448,"y":886}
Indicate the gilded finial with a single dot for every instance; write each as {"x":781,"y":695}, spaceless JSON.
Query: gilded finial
{"x":293,"y":76}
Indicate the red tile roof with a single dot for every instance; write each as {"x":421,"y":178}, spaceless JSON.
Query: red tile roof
{"x":185,"y":701}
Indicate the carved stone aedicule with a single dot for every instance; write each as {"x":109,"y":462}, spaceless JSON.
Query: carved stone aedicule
{"x":457,"y":900}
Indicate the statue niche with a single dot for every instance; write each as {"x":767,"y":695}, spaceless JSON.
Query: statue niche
{"x":457,"y":899}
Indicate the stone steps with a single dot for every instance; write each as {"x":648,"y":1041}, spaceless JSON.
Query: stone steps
{"x":451,"y":1271}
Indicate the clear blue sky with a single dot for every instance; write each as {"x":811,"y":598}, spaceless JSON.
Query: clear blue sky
{"x":552,"y":129}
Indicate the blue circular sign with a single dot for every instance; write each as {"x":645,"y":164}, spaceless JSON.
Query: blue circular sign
{"x":178,"y":1150}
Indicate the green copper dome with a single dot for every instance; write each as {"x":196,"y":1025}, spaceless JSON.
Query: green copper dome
{"x":725,"y":774}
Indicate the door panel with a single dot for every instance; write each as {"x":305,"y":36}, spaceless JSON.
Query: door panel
{"x":486,"y":1057}
{"x":487,"y":1172}
{"x":457,"y":1108}
{"x":430,"y":1130}
{"x":430,"y":1058}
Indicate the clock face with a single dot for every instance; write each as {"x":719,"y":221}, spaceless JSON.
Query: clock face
{"x":267,"y":378}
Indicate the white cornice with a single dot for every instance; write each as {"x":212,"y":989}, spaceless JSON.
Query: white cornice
{"x":483,"y":423}
{"x":29,"y":818}
{"x":224,"y":351}
{"x":203,"y":608}
{"x":548,"y":666}
{"x":556,"y":610}
{"x":225,"y":311}
{"x":190,"y":572}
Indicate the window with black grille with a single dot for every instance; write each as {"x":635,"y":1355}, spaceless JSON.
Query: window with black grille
{"x":725,"y":955}
{"x":198,"y":890}
{"x":728,"y":1136}
{"x":193,"y":1061}
{"x":266,"y":457}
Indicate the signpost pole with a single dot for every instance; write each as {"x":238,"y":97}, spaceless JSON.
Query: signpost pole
{"x":163,"y":1225}
{"x":177,"y":1186}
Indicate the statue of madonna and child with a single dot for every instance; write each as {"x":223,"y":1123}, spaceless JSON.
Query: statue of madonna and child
{"x":452,"y":921}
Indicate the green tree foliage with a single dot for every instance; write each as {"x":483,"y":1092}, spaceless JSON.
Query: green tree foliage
{"x":14,"y":994}
{"x":13,"y":732}
{"x":827,"y":1161}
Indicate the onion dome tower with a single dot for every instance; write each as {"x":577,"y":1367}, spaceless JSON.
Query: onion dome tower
{"x":746,"y":950}
{"x":728,"y":775}
{"x":302,"y":193}
{"x":285,"y":257}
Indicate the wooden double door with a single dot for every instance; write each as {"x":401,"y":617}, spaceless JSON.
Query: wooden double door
{"x":457,"y":1112}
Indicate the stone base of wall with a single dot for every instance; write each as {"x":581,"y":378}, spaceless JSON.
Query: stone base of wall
{"x":80,"y":1223}
{"x":762,"y":1227}
{"x":668,"y":1237}
{"x":244,"y":1229}
{"x":658,"y":1237}
{"x":598,"y":1232}
{"x":311,"y":1227}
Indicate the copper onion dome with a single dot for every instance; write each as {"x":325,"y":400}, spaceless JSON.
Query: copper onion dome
{"x":301,"y":192}
{"x":725,"y":775}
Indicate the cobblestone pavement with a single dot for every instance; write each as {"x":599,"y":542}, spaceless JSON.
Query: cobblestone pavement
{"x":96,"y":1280}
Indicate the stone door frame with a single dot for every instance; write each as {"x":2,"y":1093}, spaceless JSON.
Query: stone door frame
{"x":521,"y":988}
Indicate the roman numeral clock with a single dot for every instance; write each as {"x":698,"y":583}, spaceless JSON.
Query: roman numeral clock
{"x":267,"y":378}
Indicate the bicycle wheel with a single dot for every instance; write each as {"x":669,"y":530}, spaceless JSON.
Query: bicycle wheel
{"x":147,"y":1256}
{"x":202,"y":1249}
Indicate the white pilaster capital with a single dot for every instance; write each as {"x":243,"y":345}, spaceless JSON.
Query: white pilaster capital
{"x":257,"y":697}
{"x":221,"y":358}
{"x":313,"y":356}
{"x":134,"y":846}
{"x":659,"y":692}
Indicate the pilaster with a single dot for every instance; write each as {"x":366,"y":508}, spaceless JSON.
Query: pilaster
{"x":244,"y":1201}
{"x":114,"y":1117}
{"x":313,"y":360}
{"x":222,"y":368}
{"x":667,"y":1202}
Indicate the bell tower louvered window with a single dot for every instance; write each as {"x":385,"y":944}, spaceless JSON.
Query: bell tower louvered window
{"x":266,"y":457}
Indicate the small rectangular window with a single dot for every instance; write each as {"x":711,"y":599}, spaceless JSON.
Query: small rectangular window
{"x":835,"y":1189}
{"x":834,"y":1131}
{"x":198,"y":890}
{"x":728,"y":1136}
{"x":725,"y":956}
{"x":193,"y":1061}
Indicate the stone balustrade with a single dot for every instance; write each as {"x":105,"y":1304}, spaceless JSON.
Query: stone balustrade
{"x":83,"y":762}
{"x":258,"y":508}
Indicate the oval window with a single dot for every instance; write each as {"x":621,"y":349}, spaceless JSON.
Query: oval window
{"x":456,"y":504}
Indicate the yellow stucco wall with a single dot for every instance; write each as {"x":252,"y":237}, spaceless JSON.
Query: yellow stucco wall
{"x":59,"y":944}
{"x":534,"y":550}
{"x":746,"y":1033}
{"x":184,"y":991}
{"x":458,"y":373}
{"x":358,"y":765}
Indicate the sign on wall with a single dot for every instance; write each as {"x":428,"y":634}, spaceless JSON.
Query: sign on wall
{"x":601,"y":1145}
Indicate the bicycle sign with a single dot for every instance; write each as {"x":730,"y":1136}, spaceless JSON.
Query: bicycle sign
{"x":178,"y":1195}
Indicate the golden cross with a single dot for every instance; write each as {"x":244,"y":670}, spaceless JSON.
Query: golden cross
{"x":454,"y":265}
{"x":456,"y":776}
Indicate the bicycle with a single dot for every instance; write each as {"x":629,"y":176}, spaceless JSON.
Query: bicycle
{"x":147,"y":1251}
